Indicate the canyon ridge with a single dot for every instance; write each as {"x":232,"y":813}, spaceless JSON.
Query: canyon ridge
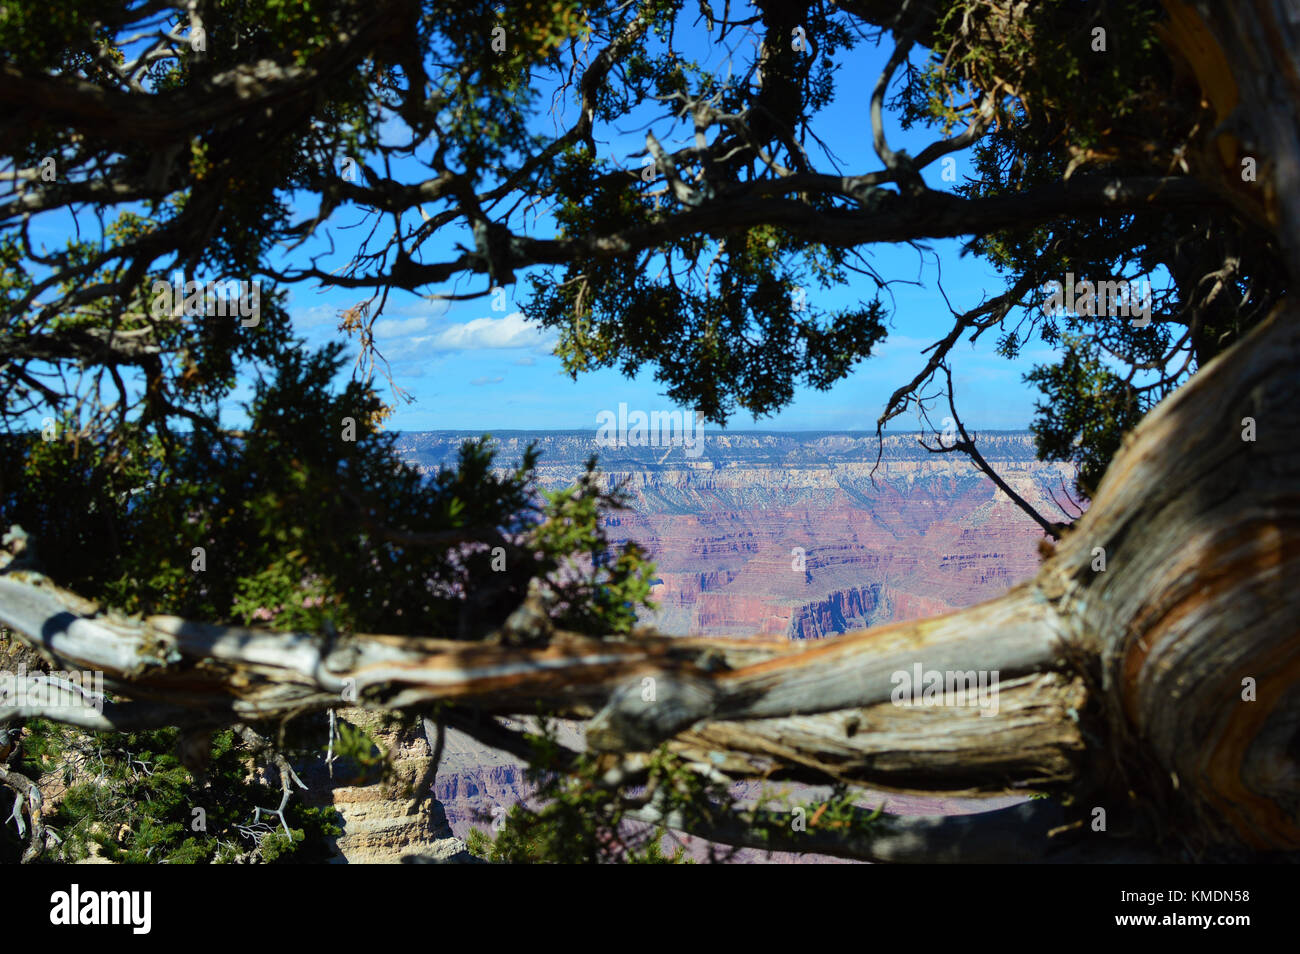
{"x":794,"y":535}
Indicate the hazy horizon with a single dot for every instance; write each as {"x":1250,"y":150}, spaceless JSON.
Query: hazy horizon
{"x":726,"y":430}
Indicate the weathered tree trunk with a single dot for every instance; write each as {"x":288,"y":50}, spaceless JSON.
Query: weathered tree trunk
{"x":1195,"y":608}
{"x":1164,"y":688}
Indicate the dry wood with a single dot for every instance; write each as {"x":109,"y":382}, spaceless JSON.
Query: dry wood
{"x":1173,"y":674}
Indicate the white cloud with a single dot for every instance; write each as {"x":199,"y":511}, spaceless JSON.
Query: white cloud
{"x":526,"y":361}
{"x":315,"y":316}
{"x":479,"y":382}
{"x":483,"y":334}
{"x":391,"y":328}
{"x":399,"y":318}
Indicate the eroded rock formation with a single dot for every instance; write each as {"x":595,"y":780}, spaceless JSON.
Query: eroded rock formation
{"x":381,"y":821}
{"x":789,"y":536}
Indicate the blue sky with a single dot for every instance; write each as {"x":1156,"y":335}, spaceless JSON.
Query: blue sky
{"x":470,"y":366}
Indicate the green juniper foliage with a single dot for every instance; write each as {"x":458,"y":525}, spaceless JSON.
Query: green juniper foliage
{"x":1078,"y":111}
{"x":128,"y":799}
{"x":582,"y":819}
{"x":491,"y":149}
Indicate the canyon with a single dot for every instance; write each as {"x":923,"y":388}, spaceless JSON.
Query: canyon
{"x":794,"y":535}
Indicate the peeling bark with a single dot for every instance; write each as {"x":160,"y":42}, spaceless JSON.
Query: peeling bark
{"x":1034,"y":741}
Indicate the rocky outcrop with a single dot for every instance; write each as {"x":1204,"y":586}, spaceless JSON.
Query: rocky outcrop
{"x":381,"y":822}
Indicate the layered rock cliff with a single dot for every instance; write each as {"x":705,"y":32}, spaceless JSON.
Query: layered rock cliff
{"x":794,"y":535}
{"x":806,"y":535}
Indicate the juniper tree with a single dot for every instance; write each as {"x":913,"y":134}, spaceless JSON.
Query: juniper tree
{"x":1145,"y":145}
